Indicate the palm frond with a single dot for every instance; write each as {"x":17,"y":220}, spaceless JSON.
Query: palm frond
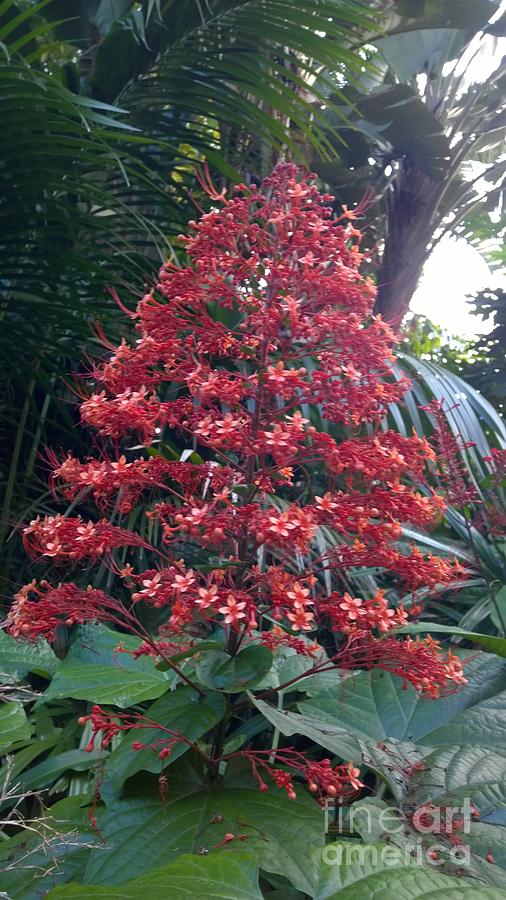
{"x":469,"y":414}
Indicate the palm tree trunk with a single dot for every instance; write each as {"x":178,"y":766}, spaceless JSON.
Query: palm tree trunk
{"x":409,"y":228}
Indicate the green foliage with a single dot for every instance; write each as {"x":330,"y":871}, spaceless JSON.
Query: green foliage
{"x":438,"y":753}
{"x":17,"y":659}
{"x":14,"y":726}
{"x":372,"y":703}
{"x":367,"y":880}
{"x":232,"y":878}
{"x":235,"y":674}
{"x":92,"y":670}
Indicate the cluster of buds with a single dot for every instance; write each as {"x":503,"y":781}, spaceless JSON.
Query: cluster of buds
{"x":105,"y":727}
{"x":323,"y":779}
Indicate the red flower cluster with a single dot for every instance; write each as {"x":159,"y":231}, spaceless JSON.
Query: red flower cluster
{"x":38,"y":611}
{"x":120,"y":480}
{"x":417,"y":662}
{"x":322,"y":778}
{"x":352,"y":615}
{"x":63,"y":537}
{"x":268,"y":328}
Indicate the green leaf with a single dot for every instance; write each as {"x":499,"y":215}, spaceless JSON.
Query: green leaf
{"x":17,"y":658}
{"x":375,"y":706}
{"x":233,"y":674}
{"x":104,"y":684}
{"x":344,"y":863}
{"x":498,"y":610}
{"x":393,"y":761}
{"x":181,"y":710}
{"x":483,"y":723}
{"x":287,"y":664}
{"x":455,"y":773}
{"x":333,"y":737}
{"x":418,"y":51}
{"x":94,"y":671}
{"x":490,"y":642}
{"x":484,"y":837}
{"x":26,"y":755}
{"x":47,"y":772}
{"x":224,"y":877}
{"x":99,"y":644}
{"x":140,"y":834}
{"x":370,"y":818}
{"x":109,"y":11}
{"x":14,"y":726}
{"x":351,"y":871}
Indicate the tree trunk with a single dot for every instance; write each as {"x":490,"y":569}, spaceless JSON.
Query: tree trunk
{"x":409,"y":228}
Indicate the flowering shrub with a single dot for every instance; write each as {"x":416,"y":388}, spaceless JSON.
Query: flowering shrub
{"x":270,"y":319}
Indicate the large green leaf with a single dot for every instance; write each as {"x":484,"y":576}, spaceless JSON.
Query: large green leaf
{"x":181,"y":711}
{"x":455,"y":773}
{"x":103,"y":684}
{"x":233,"y":674}
{"x":484,"y":838}
{"x":98,"y":643}
{"x":375,"y":820}
{"x":489,"y":641}
{"x":47,"y":772}
{"x":17,"y":658}
{"x":417,"y":51}
{"x":14,"y":726}
{"x":94,"y":670}
{"x":141,"y":834}
{"x":375,"y":705}
{"x":350,"y":871}
{"x":390,"y":759}
{"x":224,"y":877}
{"x":332,"y":736}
